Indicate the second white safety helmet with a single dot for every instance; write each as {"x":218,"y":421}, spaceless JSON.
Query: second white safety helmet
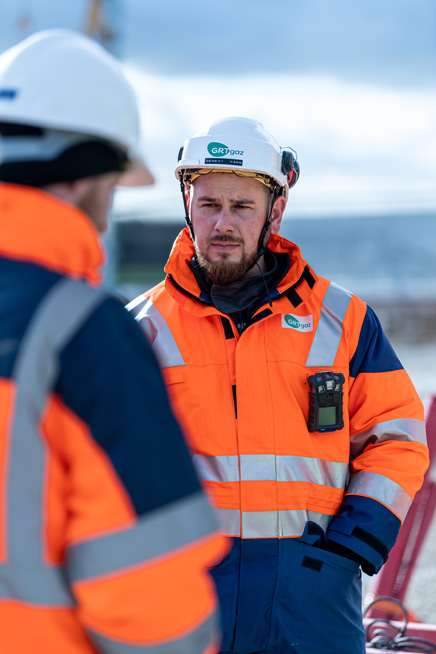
{"x":62,"y":80}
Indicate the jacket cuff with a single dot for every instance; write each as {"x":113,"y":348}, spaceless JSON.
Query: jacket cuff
{"x":371,"y":551}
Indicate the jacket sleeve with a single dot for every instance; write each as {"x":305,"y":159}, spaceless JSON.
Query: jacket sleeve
{"x":389,"y":455}
{"x":140,"y":531}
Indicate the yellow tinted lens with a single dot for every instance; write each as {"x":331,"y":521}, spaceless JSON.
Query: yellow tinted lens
{"x":266,"y":181}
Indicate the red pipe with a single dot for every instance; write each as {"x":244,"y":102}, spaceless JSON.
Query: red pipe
{"x":394,"y":577}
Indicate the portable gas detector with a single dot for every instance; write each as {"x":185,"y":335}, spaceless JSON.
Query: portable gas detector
{"x":325,"y":401}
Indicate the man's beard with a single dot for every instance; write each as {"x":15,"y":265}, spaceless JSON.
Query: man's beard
{"x":224,"y":272}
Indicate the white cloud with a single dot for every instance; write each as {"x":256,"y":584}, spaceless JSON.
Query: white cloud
{"x":358,"y":146}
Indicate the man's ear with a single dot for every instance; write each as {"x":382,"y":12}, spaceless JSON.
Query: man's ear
{"x":70,"y":192}
{"x":276,"y":214}
{"x":78,"y":188}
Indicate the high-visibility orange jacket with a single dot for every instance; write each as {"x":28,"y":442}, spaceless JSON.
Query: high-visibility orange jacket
{"x":105,"y":532}
{"x":243,"y":399}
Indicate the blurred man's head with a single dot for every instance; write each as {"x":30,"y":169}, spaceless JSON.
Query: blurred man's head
{"x":69,"y":121}
{"x":92,"y":195}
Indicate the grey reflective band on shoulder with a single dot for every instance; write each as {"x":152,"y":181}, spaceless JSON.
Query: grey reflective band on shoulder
{"x":328,"y":334}
{"x":271,"y":467}
{"x":155,"y":326}
{"x":135,"y":306}
{"x":196,"y":641}
{"x":156,"y":534}
{"x":31,"y":582}
{"x":382,"y":489}
{"x":61,"y":314}
{"x":404,"y":429}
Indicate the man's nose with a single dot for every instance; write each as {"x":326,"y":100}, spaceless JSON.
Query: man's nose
{"x":224,"y":222}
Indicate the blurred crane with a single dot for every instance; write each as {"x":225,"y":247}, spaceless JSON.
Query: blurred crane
{"x":103,"y":23}
{"x":25,"y":21}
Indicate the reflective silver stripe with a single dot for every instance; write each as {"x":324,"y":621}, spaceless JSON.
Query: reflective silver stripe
{"x":230,"y":521}
{"x":289,"y":526}
{"x":195,"y":642}
{"x":58,"y":318}
{"x":269,"y":524}
{"x":33,"y":583}
{"x":157,"y":533}
{"x":258,"y":467}
{"x":275,"y":524}
{"x":329,"y":331}
{"x":217,"y":468}
{"x":382,"y":489}
{"x":134,"y":307}
{"x":155,"y":326}
{"x":268,"y":467}
{"x":405,"y":429}
{"x":315,"y":471}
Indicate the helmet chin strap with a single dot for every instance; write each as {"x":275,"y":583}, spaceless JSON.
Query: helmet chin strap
{"x":185,"y":204}
{"x":261,"y":244}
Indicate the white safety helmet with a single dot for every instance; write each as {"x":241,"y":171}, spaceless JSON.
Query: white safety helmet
{"x":62,"y":80}
{"x":243,"y":146}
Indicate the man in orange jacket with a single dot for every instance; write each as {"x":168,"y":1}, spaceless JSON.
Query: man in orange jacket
{"x":105,"y":532}
{"x":303,"y":425}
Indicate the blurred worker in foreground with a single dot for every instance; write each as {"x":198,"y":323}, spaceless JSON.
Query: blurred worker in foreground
{"x":105,"y":533}
{"x":303,"y":424}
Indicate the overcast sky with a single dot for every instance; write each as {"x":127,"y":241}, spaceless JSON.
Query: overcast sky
{"x":350,"y":85}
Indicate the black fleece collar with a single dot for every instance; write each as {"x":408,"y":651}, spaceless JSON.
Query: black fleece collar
{"x":246,"y":292}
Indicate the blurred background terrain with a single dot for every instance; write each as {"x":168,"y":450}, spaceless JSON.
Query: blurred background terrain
{"x":351,"y":86}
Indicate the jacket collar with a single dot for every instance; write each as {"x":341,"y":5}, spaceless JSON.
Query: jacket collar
{"x":39,"y":228}
{"x":179,"y":270}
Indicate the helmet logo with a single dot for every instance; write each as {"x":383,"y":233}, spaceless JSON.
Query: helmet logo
{"x":8,"y":94}
{"x":221,"y":150}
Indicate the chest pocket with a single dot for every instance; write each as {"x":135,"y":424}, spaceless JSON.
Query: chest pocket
{"x":175,"y":375}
